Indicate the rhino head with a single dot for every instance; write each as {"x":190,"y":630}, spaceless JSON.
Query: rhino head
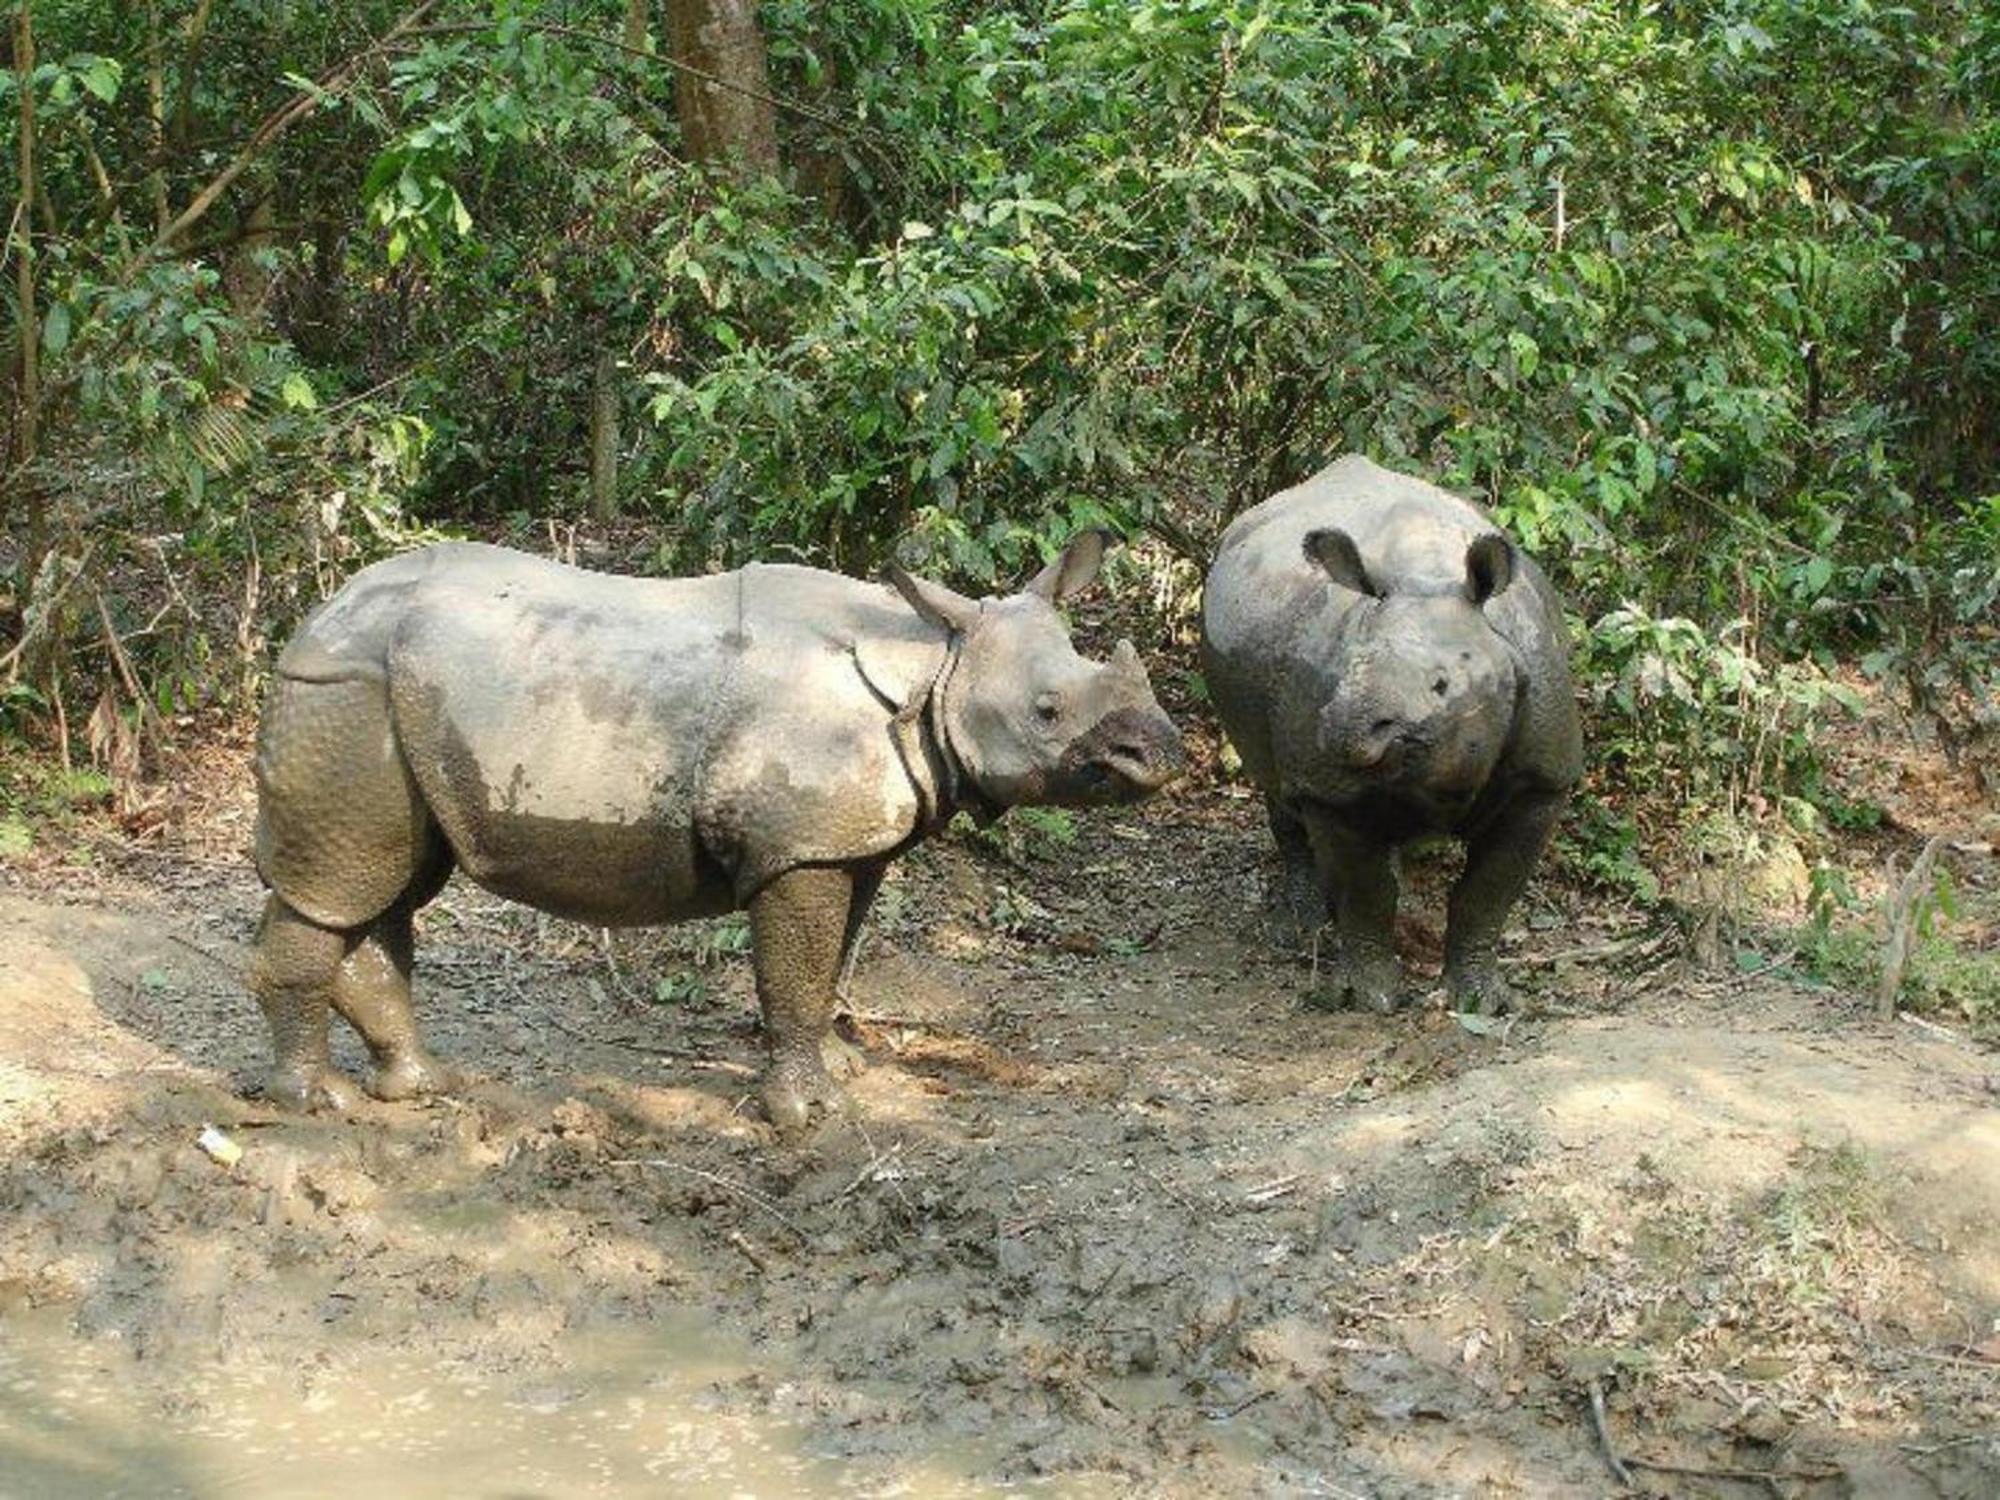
{"x":1025,"y":718}
{"x":1422,"y":688}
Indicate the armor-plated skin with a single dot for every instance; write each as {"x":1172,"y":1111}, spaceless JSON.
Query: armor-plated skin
{"x":1389,"y":666}
{"x":630,"y":751}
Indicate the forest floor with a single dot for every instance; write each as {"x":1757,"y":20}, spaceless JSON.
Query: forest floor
{"x":1111,"y":1214}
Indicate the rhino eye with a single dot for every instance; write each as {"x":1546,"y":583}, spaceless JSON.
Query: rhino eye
{"x":1048,"y":708}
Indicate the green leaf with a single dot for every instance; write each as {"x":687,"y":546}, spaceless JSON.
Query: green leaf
{"x":101,"y":77}
{"x":298,"y":394}
{"x":1645,"y":467}
{"x":55,"y":328}
{"x":1527,"y":353}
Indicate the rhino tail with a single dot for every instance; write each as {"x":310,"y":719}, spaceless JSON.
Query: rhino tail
{"x":342,"y":829}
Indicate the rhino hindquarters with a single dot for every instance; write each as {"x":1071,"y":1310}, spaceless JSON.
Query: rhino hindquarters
{"x":342,"y":830}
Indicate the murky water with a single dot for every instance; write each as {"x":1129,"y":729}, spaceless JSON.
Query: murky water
{"x":635,"y":1411}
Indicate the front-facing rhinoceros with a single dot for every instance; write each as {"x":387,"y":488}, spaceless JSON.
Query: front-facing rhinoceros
{"x":631,"y":751}
{"x":1389,"y":666}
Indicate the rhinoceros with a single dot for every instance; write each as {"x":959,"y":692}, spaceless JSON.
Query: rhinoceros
{"x":1390,"y":666}
{"x":629,"y":751}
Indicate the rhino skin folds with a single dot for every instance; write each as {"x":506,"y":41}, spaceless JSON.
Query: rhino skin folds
{"x":636,"y":751}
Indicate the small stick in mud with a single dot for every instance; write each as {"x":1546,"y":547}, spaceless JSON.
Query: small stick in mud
{"x":1276,"y":1188}
{"x":1765,"y":1476}
{"x":1603,"y":1426}
{"x":740,"y":1242}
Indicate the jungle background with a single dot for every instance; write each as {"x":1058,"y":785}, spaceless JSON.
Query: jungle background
{"x":1701,"y":300}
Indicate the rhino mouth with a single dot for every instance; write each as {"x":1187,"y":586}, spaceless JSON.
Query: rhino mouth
{"x":1126,"y":757}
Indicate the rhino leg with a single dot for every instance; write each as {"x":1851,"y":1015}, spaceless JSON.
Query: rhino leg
{"x":1357,"y":876}
{"x":1302,"y":907}
{"x":1498,"y":860}
{"x":371,"y":990}
{"x":293,"y":976}
{"x":843,"y":1059}
{"x":799,"y":927}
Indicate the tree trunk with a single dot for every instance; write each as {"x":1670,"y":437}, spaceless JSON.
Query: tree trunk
{"x":604,"y":436}
{"x":244,"y":276}
{"x":725,"y":108}
{"x":636,"y":24}
{"x":28,"y":393}
{"x":818,"y":163}
{"x":156,"y":119}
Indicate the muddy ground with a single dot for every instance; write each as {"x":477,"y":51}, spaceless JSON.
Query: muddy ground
{"x":1112,"y":1215}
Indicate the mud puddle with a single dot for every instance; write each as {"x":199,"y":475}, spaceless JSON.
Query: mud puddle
{"x":633,"y":1410}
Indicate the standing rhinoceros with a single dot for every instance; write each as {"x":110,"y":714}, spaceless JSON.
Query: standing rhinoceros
{"x":1389,"y":666}
{"x":635,"y":751}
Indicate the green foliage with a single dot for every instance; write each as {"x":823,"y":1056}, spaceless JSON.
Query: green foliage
{"x":1025,"y":833}
{"x":1703,"y":301}
{"x":36,"y":795}
{"x":1603,"y":846}
{"x":1703,"y":714}
{"x":1945,"y":977}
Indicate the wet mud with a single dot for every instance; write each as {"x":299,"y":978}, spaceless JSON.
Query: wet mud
{"x":1111,"y":1214}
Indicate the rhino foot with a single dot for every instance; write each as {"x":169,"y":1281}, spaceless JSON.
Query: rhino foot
{"x":793,"y":1086}
{"x":410,"y":1075}
{"x":1369,"y":979}
{"x":1479,"y":989}
{"x":311,"y":1089}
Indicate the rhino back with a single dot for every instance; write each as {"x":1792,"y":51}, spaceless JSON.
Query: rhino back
{"x":629,"y":750}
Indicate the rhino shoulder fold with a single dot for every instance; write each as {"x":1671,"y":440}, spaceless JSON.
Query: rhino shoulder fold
{"x":829,"y":763}
{"x":898,"y":669}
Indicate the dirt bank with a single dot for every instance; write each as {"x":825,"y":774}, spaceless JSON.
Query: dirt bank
{"x":1113,"y":1214}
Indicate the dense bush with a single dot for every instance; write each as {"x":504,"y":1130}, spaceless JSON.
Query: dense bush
{"x":1704,"y":300}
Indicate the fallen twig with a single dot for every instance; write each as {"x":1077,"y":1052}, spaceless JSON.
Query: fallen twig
{"x":1937,"y":1357}
{"x":1223,"y":1414}
{"x":1942,"y":1033}
{"x":574,"y":1034}
{"x":1276,"y":1188}
{"x":1703,"y":1471}
{"x":748,"y":1251}
{"x":876,"y":1162}
{"x":1927,"y":1450}
{"x":1644,"y":939}
{"x":877,"y":1018}
{"x":721,"y":1065}
{"x":632,"y":1044}
{"x":230,"y":966}
{"x":1599,"y":1421}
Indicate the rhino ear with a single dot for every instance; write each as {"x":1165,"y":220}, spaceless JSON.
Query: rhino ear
{"x":1489,"y":567}
{"x":934,"y":602}
{"x":1335,"y":552}
{"x":1074,"y":571}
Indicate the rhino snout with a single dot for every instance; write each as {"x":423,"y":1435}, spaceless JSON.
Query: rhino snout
{"x":1139,"y":749}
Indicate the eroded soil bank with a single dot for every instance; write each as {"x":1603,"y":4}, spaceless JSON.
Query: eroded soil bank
{"x":1112,"y":1216}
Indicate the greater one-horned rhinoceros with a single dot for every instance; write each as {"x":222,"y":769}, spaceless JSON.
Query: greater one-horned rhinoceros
{"x":1389,"y":666}
{"x":638,"y":751}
